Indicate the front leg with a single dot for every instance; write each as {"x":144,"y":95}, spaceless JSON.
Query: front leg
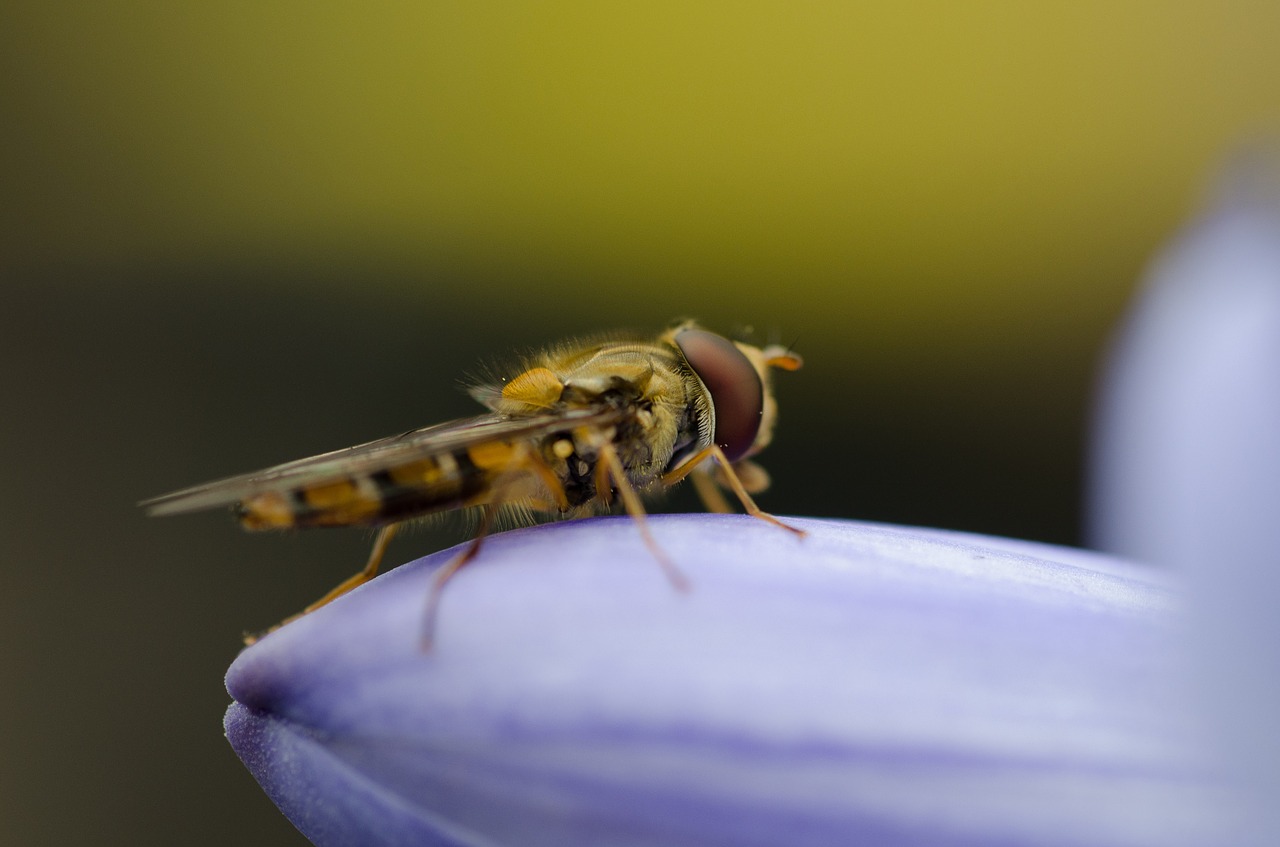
{"x":711,"y":498}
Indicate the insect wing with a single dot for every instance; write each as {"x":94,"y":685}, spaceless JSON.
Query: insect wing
{"x":374,"y":456}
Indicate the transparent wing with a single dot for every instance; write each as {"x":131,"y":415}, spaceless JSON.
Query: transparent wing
{"x":375,"y":456}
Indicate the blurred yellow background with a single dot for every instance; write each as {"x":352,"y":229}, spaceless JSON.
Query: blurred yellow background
{"x":912,"y":166}
{"x":232,"y":234}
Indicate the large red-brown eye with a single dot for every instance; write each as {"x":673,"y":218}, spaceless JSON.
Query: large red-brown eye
{"x":734,"y":385}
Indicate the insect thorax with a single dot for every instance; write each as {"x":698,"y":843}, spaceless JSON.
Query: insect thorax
{"x":663,"y":416}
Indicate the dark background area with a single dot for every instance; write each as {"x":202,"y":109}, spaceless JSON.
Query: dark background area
{"x":237,"y":235}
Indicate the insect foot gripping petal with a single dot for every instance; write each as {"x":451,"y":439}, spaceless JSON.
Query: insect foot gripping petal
{"x":609,"y":460}
{"x":740,"y":491}
{"x":427,"y":639}
{"x":369,"y":571}
{"x":725,"y":473}
{"x":500,"y":492}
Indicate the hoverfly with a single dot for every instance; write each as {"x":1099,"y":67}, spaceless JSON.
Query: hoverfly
{"x":581,"y":423}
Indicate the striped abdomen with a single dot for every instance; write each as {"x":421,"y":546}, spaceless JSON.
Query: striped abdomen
{"x":446,"y":480}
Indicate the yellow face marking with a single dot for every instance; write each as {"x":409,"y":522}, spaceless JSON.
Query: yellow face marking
{"x":538,"y":388}
{"x":493,"y":455}
{"x":563,"y":448}
{"x":269,"y":510}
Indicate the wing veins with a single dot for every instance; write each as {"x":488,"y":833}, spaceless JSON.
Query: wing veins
{"x":373,"y":456}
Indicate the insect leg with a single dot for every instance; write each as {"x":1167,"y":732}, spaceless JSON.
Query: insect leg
{"x":370,"y":570}
{"x":736,"y":486}
{"x":445,"y":573}
{"x":611,"y":462}
{"x":676,"y":474}
{"x":710,"y":495}
{"x":601,"y":477}
{"x":385,"y":534}
{"x":527,"y":460}
{"x":533,"y":462}
{"x":709,"y":492}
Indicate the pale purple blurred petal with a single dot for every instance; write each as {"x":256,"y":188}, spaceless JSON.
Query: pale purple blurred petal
{"x":1187,"y":461}
{"x":864,"y":685}
{"x":1188,"y":451}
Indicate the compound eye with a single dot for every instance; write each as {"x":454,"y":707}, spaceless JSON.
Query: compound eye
{"x":736,"y":391}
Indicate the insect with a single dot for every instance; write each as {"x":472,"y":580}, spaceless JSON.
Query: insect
{"x":583,"y":422}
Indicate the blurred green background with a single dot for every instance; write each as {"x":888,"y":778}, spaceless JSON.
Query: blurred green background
{"x":233,"y":234}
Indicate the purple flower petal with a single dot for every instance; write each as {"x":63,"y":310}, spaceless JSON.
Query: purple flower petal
{"x":863,"y":685}
{"x":1187,"y":463}
{"x":1187,"y":454}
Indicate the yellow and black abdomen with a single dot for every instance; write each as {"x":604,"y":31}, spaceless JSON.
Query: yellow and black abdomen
{"x":419,"y":487}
